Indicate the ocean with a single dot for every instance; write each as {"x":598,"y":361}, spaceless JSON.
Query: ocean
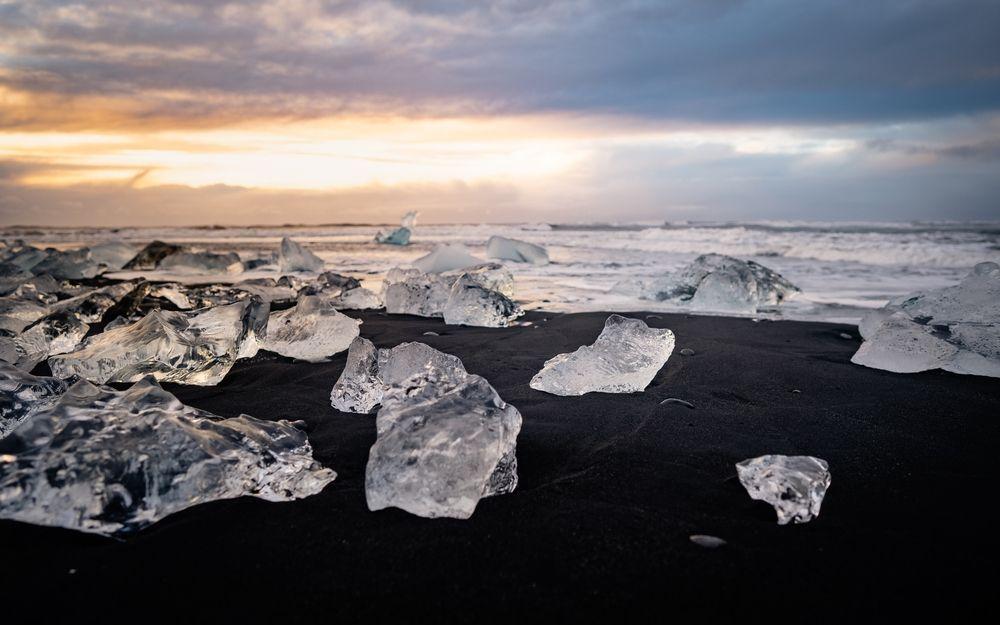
{"x":843,"y":269}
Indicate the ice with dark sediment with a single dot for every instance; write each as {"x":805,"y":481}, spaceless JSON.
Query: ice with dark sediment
{"x":17,"y":313}
{"x":472,"y":304}
{"x":23,"y":394}
{"x":174,"y":293}
{"x":516,"y":250}
{"x":312,"y":330}
{"x":624,"y":359}
{"x":446,"y":258}
{"x":56,"y":333}
{"x":69,"y":265}
{"x":717,"y":283}
{"x":956,"y":328}
{"x":445,"y":439}
{"x":794,"y":485}
{"x":22,"y":256}
{"x":329,"y":283}
{"x":201,"y":262}
{"x":113,"y":462}
{"x":151,"y":256}
{"x":197,"y":347}
{"x":369,"y":371}
{"x":92,"y":305}
{"x":292,"y":256}
{"x":412,"y":292}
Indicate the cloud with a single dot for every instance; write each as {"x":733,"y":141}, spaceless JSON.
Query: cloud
{"x":185,"y":62}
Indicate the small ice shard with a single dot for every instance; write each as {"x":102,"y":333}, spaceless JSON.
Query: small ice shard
{"x":294,"y":257}
{"x":23,"y":394}
{"x":446,"y":258}
{"x":401,"y":235}
{"x":518,"y":251}
{"x":624,"y":359}
{"x":358,"y":298}
{"x":113,"y":462}
{"x":312,"y":330}
{"x":57,"y":333}
{"x":151,"y":255}
{"x":794,"y":485}
{"x":445,"y":440}
{"x":471,"y":304}
{"x":716,"y":283}
{"x":709,"y":542}
{"x":196,"y":347}
{"x":201,"y":262}
{"x":369,"y":371}
{"x":411,"y":292}
{"x":955,"y":328}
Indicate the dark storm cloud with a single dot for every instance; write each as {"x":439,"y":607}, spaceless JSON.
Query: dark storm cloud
{"x":714,"y":61}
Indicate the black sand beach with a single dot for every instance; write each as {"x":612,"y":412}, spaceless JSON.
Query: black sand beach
{"x":611,"y":487}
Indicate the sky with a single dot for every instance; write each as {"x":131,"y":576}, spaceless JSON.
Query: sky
{"x":190,"y":112}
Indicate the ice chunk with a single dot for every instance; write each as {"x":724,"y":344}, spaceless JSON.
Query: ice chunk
{"x":174,"y":293}
{"x":68,"y":265}
{"x":293,"y":257}
{"x":57,"y":333}
{"x":471,"y":304}
{"x":955,"y":328}
{"x":202,"y":262}
{"x":623,"y":359}
{"x":399,"y":236}
{"x":519,"y":251}
{"x":151,"y":255}
{"x":411,"y":292}
{"x":91,"y":306}
{"x":716,"y":283}
{"x":446,"y":258}
{"x":312,"y":330}
{"x":356,"y":299}
{"x":112,"y":254}
{"x":112,"y":462}
{"x":368,"y":371}
{"x":491,"y":276}
{"x":409,"y":220}
{"x":445,"y":440}
{"x":17,"y":313}
{"x":196,"y":347}
{"x":23,"y":394}
{"x":794,"y":485}
{"x":330,"y":283}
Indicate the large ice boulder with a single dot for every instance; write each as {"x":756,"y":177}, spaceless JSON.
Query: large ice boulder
{"x":112,"y":462}
{"x":956,"y":328}
{"x":516,"y":250}
{"x":624,"y":359}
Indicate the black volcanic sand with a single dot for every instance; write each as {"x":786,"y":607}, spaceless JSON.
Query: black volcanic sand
{"x":611,"y":488}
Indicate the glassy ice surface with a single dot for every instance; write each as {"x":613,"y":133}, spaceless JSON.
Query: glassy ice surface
{"x":113,"y":254}
{"x":516,"y":250}
{"x":623,"y":359}
{"x":412,"y":292}
{"x":57,"y":333}
{"x":492,"y":276}
{"x":471,"y":304}
{"x":369,"y":371}
{"x":794,"y":485}
{"x":294,"y":257}
{"x":446,"y":258}
{"x":17,"y":313}
{"x":312,"y":330}
{"x":445,"y":440}
{"x":91,"y":305}
{"x":151,"y":255}
{"x":202,"y":262}
{"x":196,"y":347}
{"x":23,"y":394}
{"x":358,"y":298}
{"x":716,"y":283}
{"x":956,"y":328}
{"x":112,"y":462}
{"x":72,"y":265}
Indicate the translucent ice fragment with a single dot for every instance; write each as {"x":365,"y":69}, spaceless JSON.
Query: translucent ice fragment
{"x":151,"y":255}
{"x":294,"y":257}
{"x":445,"y":440}
{"x":202,"y":262}
{"x":112,"y":254}
{"x":411,"y":292}
{"x":471,"y":304}
{"x":623,"y":359}
{"x":196,"y":347}
{"x":112,"y":462}
{"x":446,"y":258}
{"x":57,"y":333}
{"x":312,"y":330}
{"x":794,"y":485}
{"x":358,"y":298}
{"x":399,"y":236}
{"x":519,"y":251}
{"x":23,"y":394}
{"x":17,"y":313}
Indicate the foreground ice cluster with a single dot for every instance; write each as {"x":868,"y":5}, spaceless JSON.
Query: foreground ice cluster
{"x":956,"y":328}
{"x":112,"y":462}
{"x":624,"y":359}
{"x":717,"y":283}
{"x":190,"y":347}
{"x":794,"y":485}
{"x":445,"y":438}
{"x":477,"y":296}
